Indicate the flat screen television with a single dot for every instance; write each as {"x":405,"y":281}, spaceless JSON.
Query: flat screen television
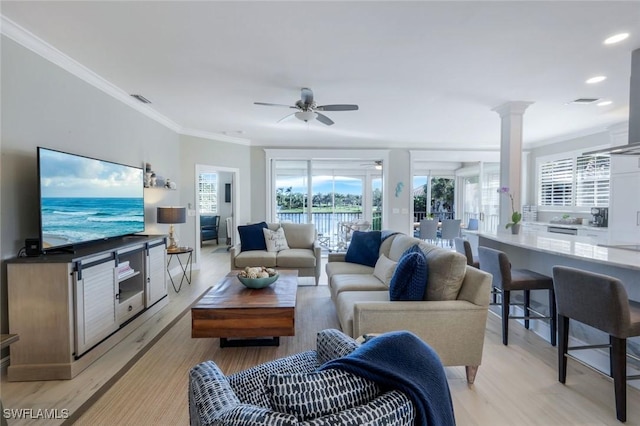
{"x":84,"y":199}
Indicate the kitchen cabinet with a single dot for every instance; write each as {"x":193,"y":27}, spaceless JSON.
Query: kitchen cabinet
{"x":533,"y":227}
{"x":598,"y":235}
{"x":624,"y":210}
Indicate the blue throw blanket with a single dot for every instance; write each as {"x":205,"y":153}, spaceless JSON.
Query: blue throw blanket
{"x":400,"y":360}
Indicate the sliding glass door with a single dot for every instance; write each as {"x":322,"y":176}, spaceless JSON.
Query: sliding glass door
{"x":328,"y":194}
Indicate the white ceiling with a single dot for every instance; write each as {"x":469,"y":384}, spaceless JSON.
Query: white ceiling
{"x":425,"y":74}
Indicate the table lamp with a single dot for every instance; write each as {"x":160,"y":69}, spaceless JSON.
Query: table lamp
{"x":172,"y":215}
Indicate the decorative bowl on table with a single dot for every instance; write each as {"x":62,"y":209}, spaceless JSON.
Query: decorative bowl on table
{"x":258,"y":276}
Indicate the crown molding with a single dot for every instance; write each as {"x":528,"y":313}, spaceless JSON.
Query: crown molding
{"x":214,"y":136}
{"x":572,"y":135}
{"x":30,"y":41}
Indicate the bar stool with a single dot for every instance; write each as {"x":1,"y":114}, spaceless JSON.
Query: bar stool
{"x":506,"y":280}
{"x":464,"y":247}
{"x":599,"y":301}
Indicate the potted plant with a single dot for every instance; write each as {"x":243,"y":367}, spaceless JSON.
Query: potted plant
{"x":516,"y":216}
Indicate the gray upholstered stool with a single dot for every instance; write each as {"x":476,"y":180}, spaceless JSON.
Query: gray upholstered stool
{"x":506,"y":280}
{"x":601,"y":302}
{"x":464,"y":247}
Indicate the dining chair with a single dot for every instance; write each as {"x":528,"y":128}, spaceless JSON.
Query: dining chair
{"x":449,"y":230}
{"x":428,"y":230}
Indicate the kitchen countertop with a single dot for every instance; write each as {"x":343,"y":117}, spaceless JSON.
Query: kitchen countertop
{"x":572,"y":246}
{"x":569,"y":225}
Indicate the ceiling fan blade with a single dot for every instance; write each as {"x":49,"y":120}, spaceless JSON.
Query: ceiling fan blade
{"x":337,"y":107}
{"x":306,"y":96}
{"x":286,"y":117}
{"x":269,"y":104}
{"x":324,"y":119}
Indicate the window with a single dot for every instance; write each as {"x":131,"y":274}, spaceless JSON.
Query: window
{"x":592,"y":181}
{"x":556,"y":183}
{"x":581,"y":180}
{"x":208,"y":192}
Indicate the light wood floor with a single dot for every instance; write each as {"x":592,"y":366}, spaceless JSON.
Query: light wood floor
{"x":516,"y":385}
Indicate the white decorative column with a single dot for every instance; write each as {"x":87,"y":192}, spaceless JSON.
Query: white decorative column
{"x":510,"y":156}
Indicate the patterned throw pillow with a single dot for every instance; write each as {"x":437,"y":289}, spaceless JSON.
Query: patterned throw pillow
{"x":409,"y":281}
{"x":275,"y":240}
{"x":332,"y":344}
{"x":313,"y":395}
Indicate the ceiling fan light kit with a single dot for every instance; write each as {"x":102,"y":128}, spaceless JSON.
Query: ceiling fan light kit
{"x":305,"y":115}
{"x":308,"y":109}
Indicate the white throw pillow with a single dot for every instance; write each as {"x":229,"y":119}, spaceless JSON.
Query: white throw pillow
{"x":384,"y":269}
{"x":275,"y":240}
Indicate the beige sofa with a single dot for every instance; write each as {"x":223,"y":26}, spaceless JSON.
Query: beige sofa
{"x":452,"y":319}
{"x":303,"y":253}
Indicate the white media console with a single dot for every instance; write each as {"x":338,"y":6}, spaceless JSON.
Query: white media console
{"x":69,"y":309}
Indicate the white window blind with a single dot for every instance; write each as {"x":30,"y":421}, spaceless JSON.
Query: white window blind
{"x":581,"y":180}
{"x":208,"y":192}
{"x":556,"y":183}
{"x":592,"y":181}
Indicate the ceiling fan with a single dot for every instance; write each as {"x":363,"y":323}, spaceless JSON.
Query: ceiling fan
{"x":377,"y":164}
{"x":308,"y":109}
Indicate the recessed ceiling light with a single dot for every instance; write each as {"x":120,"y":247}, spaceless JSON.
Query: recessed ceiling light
{"x":583,"y":101}
{"x":616,"y":38}
{"x":604,"y":103}
{"x":596,"y":79}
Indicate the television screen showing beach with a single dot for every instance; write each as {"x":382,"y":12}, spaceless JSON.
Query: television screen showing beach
{"x":83,"y":199}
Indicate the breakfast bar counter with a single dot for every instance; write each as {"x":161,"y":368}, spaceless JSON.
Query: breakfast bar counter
{"x":541,"y":251}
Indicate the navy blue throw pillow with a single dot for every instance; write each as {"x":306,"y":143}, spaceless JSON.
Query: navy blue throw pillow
{"x":252,"y":236}
{"x":409,"y":281}
{"x":364,"y":248}
{"x":413,"y":249}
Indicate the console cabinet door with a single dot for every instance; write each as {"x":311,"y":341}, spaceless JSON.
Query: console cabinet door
{"x":95,"y":290}
{"x":156,"y":274}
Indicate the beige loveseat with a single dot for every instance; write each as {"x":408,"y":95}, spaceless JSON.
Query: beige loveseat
{"x":303,"y":253}
{"x":451,"y":320}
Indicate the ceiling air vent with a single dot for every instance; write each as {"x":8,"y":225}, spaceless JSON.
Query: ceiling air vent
{"x":141,"y":99}
{"x":584,"y":101}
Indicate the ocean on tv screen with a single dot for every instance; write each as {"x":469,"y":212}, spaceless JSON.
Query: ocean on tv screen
{"x":75,"y":220}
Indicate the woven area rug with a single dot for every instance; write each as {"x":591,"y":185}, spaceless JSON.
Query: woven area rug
{"x":220,"y":250}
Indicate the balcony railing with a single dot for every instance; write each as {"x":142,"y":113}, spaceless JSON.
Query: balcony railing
{"x":418,"y":216}
{"x":326,"y":223}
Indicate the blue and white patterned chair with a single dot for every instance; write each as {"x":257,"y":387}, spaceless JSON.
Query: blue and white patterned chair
{"x":289,"y":391}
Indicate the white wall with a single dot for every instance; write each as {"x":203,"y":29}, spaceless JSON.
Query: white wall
{"x":44,"y":105}
{"x":195,"y":150}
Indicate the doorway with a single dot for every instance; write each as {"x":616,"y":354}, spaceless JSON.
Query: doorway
{"x":216,"y":194}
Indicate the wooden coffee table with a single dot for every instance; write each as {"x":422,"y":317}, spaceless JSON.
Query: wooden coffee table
{"x":241,"y":316}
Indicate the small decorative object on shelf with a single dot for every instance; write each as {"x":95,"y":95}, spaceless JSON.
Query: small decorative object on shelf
{"x":258,"y":276}
{"x":169,"y":184}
